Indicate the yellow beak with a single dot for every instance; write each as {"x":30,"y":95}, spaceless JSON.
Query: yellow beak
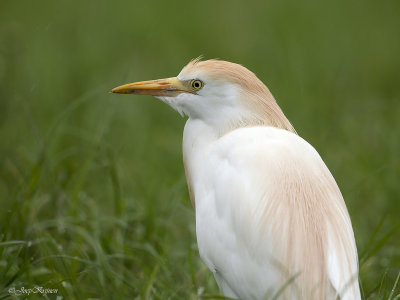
{"x":169,"y":87}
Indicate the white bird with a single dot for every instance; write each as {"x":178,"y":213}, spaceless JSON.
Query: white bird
{"x":270,"y":218}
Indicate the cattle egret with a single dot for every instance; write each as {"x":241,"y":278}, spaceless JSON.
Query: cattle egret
{"x":270,"y":218}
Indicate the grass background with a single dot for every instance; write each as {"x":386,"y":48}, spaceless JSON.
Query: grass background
{"x":92,"y":190}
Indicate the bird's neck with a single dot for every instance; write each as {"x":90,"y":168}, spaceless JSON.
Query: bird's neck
{"x":219,"y":122}
{"x":197,"y":136}
{"x":263,"y":110}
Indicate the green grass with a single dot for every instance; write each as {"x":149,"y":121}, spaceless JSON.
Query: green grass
{"x":92,"y":188}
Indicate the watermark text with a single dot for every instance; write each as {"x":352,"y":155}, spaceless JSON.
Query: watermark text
{"x":34,"y":290}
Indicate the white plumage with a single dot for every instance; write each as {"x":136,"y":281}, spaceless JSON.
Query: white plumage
{"x":270,"y":217}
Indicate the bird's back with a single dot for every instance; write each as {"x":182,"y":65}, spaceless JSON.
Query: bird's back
{"x":270,"y":214}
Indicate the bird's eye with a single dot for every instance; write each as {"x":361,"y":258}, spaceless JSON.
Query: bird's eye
{"x":197,"y":84}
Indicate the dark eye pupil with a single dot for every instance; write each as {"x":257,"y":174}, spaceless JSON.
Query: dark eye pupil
{"x":196,"y":84}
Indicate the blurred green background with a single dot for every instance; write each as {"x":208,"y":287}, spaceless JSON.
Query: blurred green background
{"x":92,"y":190}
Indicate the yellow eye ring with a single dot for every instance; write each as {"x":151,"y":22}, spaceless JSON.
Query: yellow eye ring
{"x":197,"y":84}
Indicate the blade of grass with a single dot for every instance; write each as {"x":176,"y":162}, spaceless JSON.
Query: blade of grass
{"x":380,"y":243}
{"x":394,"y":287}
{"x":283,"y":287}
{"x":371,"y":239}
{"x":151,"y":281}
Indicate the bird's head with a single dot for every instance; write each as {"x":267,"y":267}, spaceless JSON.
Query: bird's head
{"x":224,"y":94}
